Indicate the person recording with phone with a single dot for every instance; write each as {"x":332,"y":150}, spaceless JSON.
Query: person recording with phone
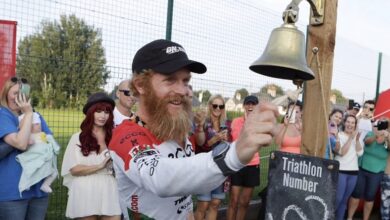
{"x":385,"y":183}
{"x":289,"y":132}
{"x":33,"y":202}
{"x":372,"y":165}
{"x":209,"y":133}
{"x":288,"y":138}
{"x":335,"y":118}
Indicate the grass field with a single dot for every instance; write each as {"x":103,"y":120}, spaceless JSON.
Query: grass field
{"x":64,"y":123}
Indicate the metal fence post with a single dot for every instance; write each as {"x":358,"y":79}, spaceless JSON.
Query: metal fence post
{"x":378,"y":78}
{"x":168,"y":33}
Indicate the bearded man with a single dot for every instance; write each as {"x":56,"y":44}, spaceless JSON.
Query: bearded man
{"x":155,"y":165}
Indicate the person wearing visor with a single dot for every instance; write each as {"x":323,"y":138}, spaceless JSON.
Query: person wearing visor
{"x":354,"y":109}
{"x":154,"y":162}
{"x":245,"y":180}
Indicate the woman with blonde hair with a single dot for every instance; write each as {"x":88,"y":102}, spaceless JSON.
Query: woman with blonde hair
{"x":31,"y":203}
{"x":209,"y":133}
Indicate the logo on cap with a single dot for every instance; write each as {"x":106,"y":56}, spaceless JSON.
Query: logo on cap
{"x":174,"y":49}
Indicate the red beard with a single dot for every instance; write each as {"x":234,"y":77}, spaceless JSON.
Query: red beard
{"x":162,"y":123}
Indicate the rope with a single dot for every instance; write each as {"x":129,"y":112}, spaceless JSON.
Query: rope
{"x":315,"y":52}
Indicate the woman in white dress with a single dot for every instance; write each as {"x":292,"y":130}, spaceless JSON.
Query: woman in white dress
{"x":87,"y":166}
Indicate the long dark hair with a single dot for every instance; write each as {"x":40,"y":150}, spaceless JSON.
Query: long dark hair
{"x":334,"y":111}
{"x":87,"y":139}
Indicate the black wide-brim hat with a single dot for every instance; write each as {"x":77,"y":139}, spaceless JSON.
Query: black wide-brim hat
{"x":165,"y":57}
{"x":96,"y":98}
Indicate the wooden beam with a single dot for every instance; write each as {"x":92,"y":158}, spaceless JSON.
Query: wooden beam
{"x":317,"y":92}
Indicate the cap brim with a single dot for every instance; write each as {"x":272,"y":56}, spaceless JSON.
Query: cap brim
{"x":251,"y":101}
{"x":173,"y":66}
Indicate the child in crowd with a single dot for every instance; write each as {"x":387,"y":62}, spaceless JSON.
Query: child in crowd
{"x":40,"y":159}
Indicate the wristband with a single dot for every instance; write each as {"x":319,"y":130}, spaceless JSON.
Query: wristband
{"x":219,"y":154}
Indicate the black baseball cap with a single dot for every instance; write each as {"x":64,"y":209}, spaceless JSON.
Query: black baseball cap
{"x":356,"y":106}
{"x":165,"y":57}
{"x":251,"y":99}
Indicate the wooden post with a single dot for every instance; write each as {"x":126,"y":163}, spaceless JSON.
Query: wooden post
{"x":316,"y":99}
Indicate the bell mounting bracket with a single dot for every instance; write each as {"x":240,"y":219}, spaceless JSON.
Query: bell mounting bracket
{"x":290,"y":15}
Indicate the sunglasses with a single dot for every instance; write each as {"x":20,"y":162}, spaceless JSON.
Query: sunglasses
{"x":125,"y":92}
{"x":19,"y":80}
{"x":371,"y":109}
{"x":215,"y":106}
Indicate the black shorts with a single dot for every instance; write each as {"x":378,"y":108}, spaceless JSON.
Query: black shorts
{"x":248,"y":176}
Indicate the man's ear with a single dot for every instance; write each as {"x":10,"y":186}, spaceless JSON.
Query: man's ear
{"x":139,"y":85}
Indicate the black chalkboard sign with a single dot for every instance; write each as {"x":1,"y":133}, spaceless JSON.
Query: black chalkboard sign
{"x":301,"y":187}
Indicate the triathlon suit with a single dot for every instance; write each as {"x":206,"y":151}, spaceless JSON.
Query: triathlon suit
{"x":157,"y":178}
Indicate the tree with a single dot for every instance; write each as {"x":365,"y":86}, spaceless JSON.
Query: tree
{"x":204,"y":95}
{"x":266,"y":90}
{"x":339,"y":96}
{"x":64,"y":62}
{"x":243,"y":93}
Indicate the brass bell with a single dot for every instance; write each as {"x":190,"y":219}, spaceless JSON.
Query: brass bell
{"x":284,"y":57}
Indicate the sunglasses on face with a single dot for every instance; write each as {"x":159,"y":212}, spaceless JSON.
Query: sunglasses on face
{"x":215,"y":106}
{"x":125,"y":92}
{"x":371,"y":109}
{"x":19,"y":80}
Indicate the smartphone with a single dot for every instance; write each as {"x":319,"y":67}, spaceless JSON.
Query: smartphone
{"x":223,"y":127}
{"x":382,"y":125}
{"x":25,"y":89}
{"x":332,"y":128}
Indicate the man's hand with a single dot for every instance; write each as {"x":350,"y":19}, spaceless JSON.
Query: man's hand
{"x":258,"y":131}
